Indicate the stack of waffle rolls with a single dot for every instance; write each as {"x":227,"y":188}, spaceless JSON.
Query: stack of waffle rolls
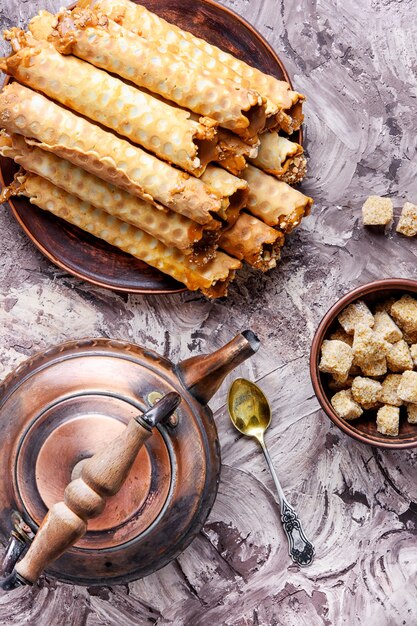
{"x":162,"y":129}
{"x":171,"y":186}
{"x":90,"y":35}
{"x":201,"y":54}
{"x":171,"y":228}
{"x":212,"y":279}
{"x":70,"y":136}
{"x":93,"y":37}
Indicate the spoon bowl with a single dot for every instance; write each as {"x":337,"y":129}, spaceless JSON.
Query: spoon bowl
{"x":248,"y":408}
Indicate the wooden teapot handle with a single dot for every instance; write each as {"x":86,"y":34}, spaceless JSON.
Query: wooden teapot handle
{"x":85,"y":497}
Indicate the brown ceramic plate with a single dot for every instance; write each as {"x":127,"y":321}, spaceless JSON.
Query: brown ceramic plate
{"x":364,"y":428}
{"x":90,"y":258}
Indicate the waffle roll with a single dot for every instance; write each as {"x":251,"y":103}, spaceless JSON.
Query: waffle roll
{"x":280,"y":157}
{"x":143,"y":22}
{"x":91,"y":36}
{"x":275,"y":202}
{"x":237,"y":190}
{"x":162,"y":129}
{"x":115,"y":160}
{"x":251,"y":240}
{"x":233,"y":153}
{"x":212,"y":279}
{"x":172,"y":229}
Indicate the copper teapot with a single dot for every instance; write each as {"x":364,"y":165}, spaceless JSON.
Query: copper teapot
{"x":109,"y":458}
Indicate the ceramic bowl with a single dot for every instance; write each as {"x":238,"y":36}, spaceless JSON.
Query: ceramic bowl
{"x":364,"y":428}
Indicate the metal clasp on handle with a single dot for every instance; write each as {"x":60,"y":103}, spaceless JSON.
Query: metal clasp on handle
{"x":20,"y":539}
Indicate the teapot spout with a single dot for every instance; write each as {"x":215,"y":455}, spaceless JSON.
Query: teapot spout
{"x":203,"y":375}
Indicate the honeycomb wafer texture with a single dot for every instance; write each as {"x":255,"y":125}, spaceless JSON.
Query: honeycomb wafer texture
{"x":100,"y":41}
{"x":145,"y":23}
{"x":164,"y":130}
{"x":171,"y":228}
{"x":213,"y":279}
{"x":115,"y":160}
{"x":275,"y":202}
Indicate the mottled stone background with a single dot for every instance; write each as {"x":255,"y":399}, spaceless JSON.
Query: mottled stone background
{"x":357,"y":62}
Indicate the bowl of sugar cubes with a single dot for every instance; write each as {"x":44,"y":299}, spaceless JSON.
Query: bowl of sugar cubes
{"x":363,"y":363}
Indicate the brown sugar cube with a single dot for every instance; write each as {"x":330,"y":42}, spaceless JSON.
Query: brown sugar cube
{"x":389,"y":392}
{"x":413,"y":352}
{"x":341,"y":335}
{"x":404,"y":312}
{"x":345,"y":406}
{"x":386,"y":327}
{"x":412,"y":413}
{"x":366,"y":392}
{"x":407,"y":389}
{"x":367,"y":345}
{"x":354,"y":314}
{"x":388,"y":420}
{"x":399,"y":357}
{"x":336,"y":358}
{"x":377,"y":367}
{"x":407,"y":224}
{"x":385,"y":306}
{"x":377,"y":211}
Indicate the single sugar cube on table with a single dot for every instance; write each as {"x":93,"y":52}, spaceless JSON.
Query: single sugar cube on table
{"x":388,"y":420}
{"x":407,"y":389}
{"x":412,"y":413}
{"x":336,"y":358}
{"x":404,"y":312}
{"x":413,"y":352}
{"x":407,"y":224}
{"x":377,"y":211}
{"x":345,"y":406}
{"x":354,"y":314}
{"x":366,"y":392}
{"x":399,"y":357}
{"x":367,"y":345}
{"x":386,"y":327}
{"x":389,"y":391}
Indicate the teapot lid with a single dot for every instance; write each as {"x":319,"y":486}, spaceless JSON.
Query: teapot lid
{"x":59,"y":408}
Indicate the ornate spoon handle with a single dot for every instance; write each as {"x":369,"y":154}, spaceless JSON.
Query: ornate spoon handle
{"x":300,"y":549}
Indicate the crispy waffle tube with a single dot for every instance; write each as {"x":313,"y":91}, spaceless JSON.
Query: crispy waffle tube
{"x":236,"y":189}
{"x":165,"y":130}
{"x":171,"y":228}
{"x":101,"y":153}
{"x":212,"y":280}
{"x":233,"y":153}
{"x":102,"y":42}
{"x":282,"y":158}
{"x":275,"y":202}
{"x":141,"y":21}
{"x":251,"y":240}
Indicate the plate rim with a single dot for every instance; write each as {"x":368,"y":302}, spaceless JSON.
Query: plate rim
{"x":102,"y":283}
